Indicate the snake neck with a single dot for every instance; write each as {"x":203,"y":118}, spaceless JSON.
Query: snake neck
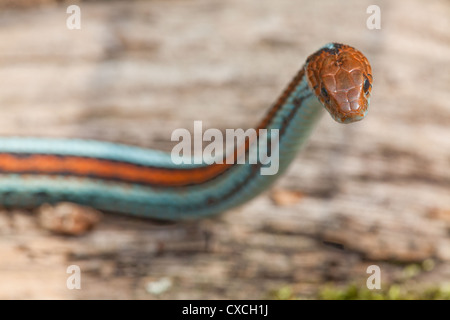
{"x":293,"y":115}
{"x":146,"y":182}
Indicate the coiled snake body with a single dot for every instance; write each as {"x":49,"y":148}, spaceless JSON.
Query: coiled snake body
{"x":143,"y":182}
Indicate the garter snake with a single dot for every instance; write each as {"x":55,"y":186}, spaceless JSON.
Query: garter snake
{"x":144,"y":182}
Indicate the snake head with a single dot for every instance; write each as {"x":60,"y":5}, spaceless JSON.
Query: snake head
{"x":341,"y":78}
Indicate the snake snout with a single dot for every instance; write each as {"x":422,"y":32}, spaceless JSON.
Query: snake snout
{"x":349,"y":117}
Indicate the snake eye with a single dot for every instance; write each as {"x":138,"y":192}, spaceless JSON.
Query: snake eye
{"x":366,"y":86}
{"x":324,"y":93}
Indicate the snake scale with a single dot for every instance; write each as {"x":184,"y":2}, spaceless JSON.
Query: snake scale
{"x":146,"y":183}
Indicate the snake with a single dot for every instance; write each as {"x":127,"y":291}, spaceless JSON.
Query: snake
{"x":143,"y":182}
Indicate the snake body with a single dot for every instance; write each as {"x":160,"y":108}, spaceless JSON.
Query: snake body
{"x":144,"y":182}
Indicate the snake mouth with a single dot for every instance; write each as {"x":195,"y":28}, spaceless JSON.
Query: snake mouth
{"x":342,"y":113}
{"x":349,"y":117}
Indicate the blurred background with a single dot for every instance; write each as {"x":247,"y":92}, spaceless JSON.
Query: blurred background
{"x":371,"y":193}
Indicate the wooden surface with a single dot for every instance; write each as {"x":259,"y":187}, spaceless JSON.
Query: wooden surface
{"x":375,"y":192}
